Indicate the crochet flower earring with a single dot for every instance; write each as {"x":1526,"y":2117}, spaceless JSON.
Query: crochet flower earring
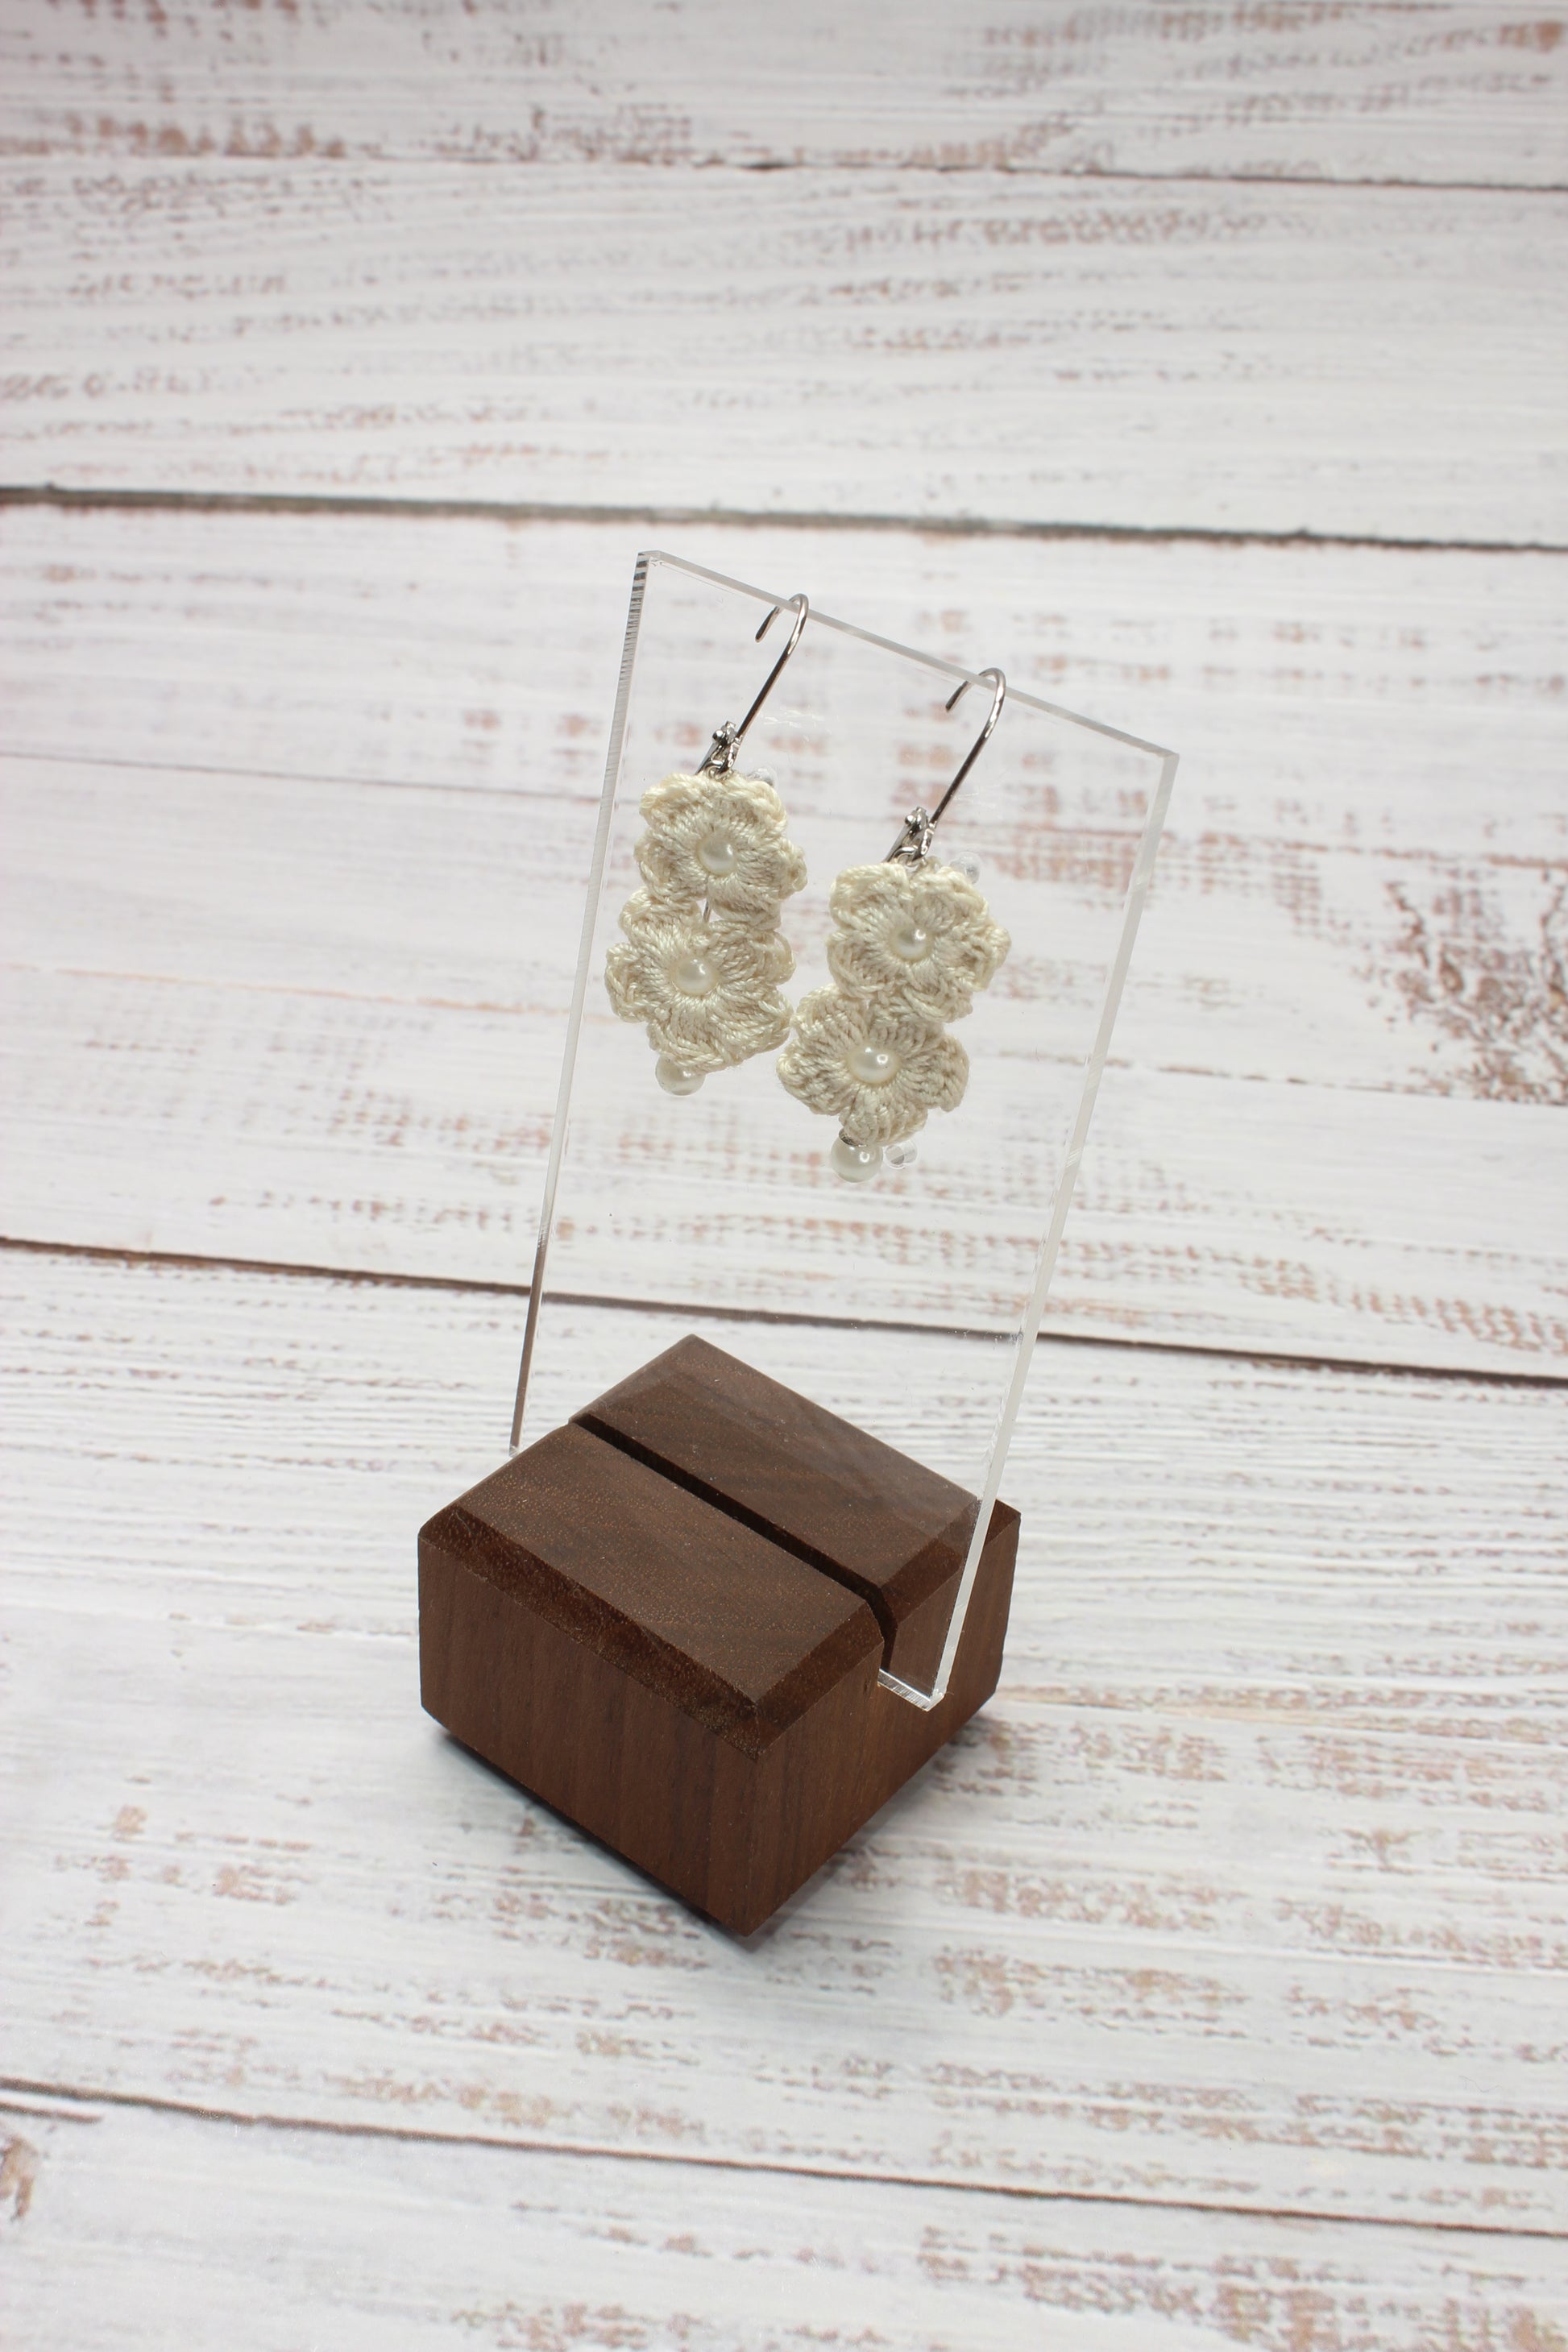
{"x":703,"y":955}
{"x":913,"y":944}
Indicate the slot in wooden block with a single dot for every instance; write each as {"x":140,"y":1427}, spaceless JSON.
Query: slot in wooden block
{"x":865,"y":1515}
{"x":667,"y":1620}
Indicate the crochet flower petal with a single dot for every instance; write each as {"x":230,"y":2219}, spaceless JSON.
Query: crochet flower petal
{"x":708,"y":994}
{"x":741,"y":798}
{"x":742,"y":956}
{"x":877,"y":1069}
{"x":625,"y":978}
{"x":939,"y":1076}
{"x":923,"y":934}
{"x":719,"y":841}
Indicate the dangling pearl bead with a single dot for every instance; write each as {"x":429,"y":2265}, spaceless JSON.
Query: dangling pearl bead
{"x":694,"y":976}
{"x":873,"y":1065}
{"x":911,"y":940}
{"x":855,"y":1162}
{"x":674,"y":1080}
{"x":716,"y":854}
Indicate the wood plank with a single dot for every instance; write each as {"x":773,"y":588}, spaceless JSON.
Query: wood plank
{"x":1324,"y":698}
{"x":236,"y":1049}
{"x":1258,"y":358}
{"x":1220,"y":989}
{"x":1445,"y":92}
{"x":1343,"y":705}
{"x":144,"y":2229}
{"x":1238,"y":1892}
{"x":147,"y":2228}
{"x":397,"y":1140}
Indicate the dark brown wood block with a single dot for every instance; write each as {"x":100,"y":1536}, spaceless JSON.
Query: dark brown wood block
{"x":629,"y":1635}
{"x":864,"y":1514}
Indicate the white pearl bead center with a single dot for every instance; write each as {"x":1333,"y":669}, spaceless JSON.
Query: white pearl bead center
{"x":694,"y":976}
{"x":716,"y":854}
{"x":911,"y":940}
{"x":873,"y":1065}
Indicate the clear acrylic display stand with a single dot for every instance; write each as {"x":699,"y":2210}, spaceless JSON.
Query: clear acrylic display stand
{"x":908,"y":1305}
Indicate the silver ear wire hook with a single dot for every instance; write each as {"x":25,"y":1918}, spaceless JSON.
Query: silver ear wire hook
{"x":914,"y":842}
{"x":727,"y":738}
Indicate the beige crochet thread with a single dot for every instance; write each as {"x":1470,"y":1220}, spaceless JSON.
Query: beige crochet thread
{"x":927,"y":1070}
{"x":703,"y":955}
{"x":912,"y":947}
{"x":922,"y":933}
{"x":708,"y":993}
{"x":719,"y":839}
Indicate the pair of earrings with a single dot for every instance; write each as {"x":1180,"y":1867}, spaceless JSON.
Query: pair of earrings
{"x":703,"y":959}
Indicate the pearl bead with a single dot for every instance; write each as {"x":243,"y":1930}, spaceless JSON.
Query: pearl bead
{"x":716,"y":854}
{"x":911,"y":940}
{"x":674,"y":1080}
{"x":694,"y":976}
{"x":873,"y":1065}
{"x":855,"y":1162}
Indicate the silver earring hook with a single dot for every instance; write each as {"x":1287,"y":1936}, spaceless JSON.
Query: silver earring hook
{"x":914,"y":842}
{"x":727,"y":738}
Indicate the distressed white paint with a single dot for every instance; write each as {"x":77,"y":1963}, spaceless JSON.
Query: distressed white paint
{"x":1324,"y":698}
{"x":1246,"y":358}
{"x":1242,"y":1892}
{"x":1445,"y":92}
{"x":410,"y":1140}
{"x":143,"y":2229}
{"x":182,"y":942}
{"x":303,"y":1024}
{"x":1245,"y":1891}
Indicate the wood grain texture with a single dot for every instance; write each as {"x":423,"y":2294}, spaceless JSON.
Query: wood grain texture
{"x":145,"y":2227}
{"x":1338,"y":899}
{"x":1245,"y":1891}
{"x":861,"y":1512}
{"x":995,"y":345}
{"x":1324,"y":699}
{"x":1358,"y":90}
{"x":1248,"y":1889}
{"x":668,"y":1666}
{"x":219,"y":1043}
{"x":1339,"y":913}
{"x":291,"y":1130}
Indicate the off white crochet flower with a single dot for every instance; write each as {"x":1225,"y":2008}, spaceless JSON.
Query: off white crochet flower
{"x":708,"y":992}
{"x":875,"y":1067}
{"x":921,"y":933}
{"x":719,"y":840}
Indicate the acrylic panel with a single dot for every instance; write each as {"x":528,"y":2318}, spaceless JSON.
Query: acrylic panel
{"x":908,"y":1303}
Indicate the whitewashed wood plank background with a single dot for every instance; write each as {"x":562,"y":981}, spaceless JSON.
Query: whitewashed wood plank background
{"x":1332,"y":859}
{"x":154,"y":2227}
{"x":217,"y":1053}
{"x":1325,"y":698}
{"x":1206,"y":1993}
{"x":1045,"y":350}
{"x":1359,"y":92}
{"x":1170,"y":1922}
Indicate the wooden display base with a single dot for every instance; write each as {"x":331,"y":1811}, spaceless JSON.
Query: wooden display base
{"x":667,"y":1621}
